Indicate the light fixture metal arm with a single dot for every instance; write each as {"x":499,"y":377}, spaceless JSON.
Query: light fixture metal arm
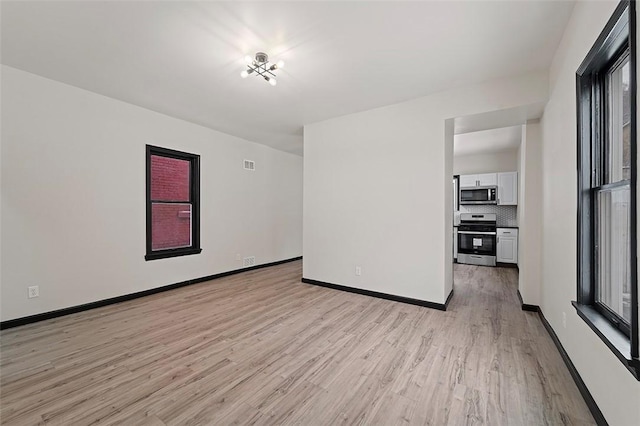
{"x":260,"y":66}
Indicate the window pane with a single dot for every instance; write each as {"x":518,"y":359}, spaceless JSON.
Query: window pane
{"x":613,"y":250}
{"x":170,"y":226}
{"x":169,"y":179}
{"x":618,"y":126}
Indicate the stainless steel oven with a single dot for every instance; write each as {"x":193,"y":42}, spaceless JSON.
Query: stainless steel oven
{"x":477,"y":239}
{"x":479,"y":195}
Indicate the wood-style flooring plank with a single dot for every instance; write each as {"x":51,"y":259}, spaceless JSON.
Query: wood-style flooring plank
{"x":262,"y":348}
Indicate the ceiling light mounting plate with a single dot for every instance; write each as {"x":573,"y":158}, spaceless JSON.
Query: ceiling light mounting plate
{"x":262,"y":57}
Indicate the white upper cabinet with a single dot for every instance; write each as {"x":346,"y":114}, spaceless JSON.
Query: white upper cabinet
{"x":485,"y":179}
{"x":467,"y":181}
{"x":488,"y":179}
{"x":508,"y":189}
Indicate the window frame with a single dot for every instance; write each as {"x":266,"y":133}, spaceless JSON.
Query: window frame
{"x":611,"y":46}
{"x":601,"y":173}
{"x":194,"y":200}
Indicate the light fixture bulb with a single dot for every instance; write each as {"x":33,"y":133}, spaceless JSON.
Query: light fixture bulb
{"x":272,"y":81}
{"x":244,"y":74}
{"x":280,"y":64}
{"x":248,"y":59}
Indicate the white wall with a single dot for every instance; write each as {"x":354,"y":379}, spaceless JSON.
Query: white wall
{"x":1,"y":72}
{"x":73,"y":197}
{"x":530,"y":213}
{"x":615,"y":390}
{"x":521,"y":181}
{"x":377,"y":188}
{"x":504,"y":161}
{"x":449,"y":126}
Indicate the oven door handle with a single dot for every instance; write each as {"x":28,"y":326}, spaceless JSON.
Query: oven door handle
{"x":476,"y":233}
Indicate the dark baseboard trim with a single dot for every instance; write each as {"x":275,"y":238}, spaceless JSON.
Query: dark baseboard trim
{"x":584,"y":391}
{"x":526,"y":307}
{"x":425,"y":303}
{"x":530,"y":308}
{"x":446,"y":302}
{"x":100,"y":303}
{"x":507,"y":265}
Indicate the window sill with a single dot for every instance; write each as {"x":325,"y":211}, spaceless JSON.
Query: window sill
{"x":615,"y":340}
{"x":172,"y":253}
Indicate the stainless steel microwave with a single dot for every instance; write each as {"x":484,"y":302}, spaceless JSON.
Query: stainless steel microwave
{"x":479,"y":195}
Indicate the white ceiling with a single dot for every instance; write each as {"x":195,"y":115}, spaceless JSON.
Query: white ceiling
{"x":184,"y":58}
{"x":487,"y":141}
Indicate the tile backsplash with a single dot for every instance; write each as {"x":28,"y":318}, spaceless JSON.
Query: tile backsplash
{"x":505,"y":215}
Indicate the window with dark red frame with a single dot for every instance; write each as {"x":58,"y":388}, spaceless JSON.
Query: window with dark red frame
{"x":173,"y":196}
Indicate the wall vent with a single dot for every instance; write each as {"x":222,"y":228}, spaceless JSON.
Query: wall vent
{"x":249,"y":261}
{"x":250,"y":165}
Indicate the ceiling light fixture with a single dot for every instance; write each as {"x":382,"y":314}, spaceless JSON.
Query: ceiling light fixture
{"x":260,"y":66}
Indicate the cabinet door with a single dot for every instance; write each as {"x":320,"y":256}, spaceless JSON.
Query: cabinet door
{"x":488,"y":179}
{"x":467,"y":181}
{"x":507,"y":250}
{"x":508,"y":189}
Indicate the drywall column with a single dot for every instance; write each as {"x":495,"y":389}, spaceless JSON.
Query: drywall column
{"x":448,"y":202}
{"x":520,"y":215}
{"x":366,"y":204}
{"x":530,"y":214}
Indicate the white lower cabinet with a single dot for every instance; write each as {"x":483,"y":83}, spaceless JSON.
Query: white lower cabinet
{"x":507,"y":245}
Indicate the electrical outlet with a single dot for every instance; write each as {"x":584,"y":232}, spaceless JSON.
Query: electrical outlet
{"x":564,"y":320}
{"x":238,"y":257}
{"x":358,"y":271}
{"x":34,"y":291}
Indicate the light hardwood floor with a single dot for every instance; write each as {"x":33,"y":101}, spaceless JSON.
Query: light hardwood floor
{"x":263,"y":348}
